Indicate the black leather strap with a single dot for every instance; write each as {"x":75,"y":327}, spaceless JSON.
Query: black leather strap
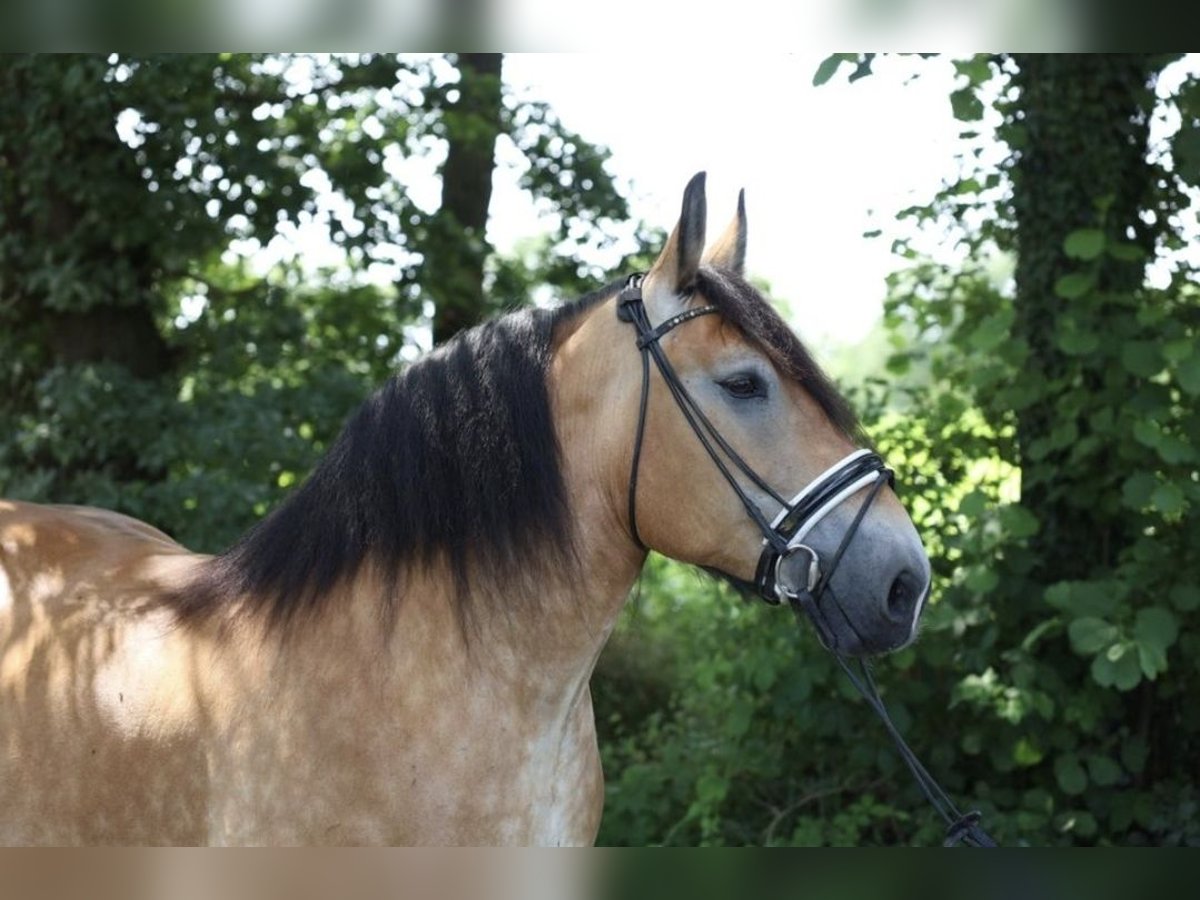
{"x":654,"y":334}
{"x":632,"y":309}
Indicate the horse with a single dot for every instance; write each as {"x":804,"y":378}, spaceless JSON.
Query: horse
{"x":400,"y":653}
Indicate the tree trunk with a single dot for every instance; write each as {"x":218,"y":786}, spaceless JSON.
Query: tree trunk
{"x":1085,"y":122}
{"x":456,"y":247}
{"x":69,"y":296}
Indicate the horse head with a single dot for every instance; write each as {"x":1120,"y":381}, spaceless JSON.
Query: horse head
{"x":737,"y":418}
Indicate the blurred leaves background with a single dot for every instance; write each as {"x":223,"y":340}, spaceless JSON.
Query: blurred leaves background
{"x":1036,"y":395}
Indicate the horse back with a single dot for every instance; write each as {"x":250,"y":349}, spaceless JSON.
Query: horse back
{"x":99,"y":733}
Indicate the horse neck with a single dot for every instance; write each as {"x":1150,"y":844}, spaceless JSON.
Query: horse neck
{"x":554,"y":623}
{"x":533,"y":645}
{"x":546,"y":628}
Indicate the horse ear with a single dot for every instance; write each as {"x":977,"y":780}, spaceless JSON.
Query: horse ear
{"x":729,"y":252}
{"x":675,"y":269}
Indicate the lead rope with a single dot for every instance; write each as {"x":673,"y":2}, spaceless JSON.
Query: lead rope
{"x":961,"y":828}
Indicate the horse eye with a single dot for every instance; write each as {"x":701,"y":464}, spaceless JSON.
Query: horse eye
{"x":744,"y":387}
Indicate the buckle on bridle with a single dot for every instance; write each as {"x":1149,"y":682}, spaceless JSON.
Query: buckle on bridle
{"x":793,"y":575}
{"x":630,"y":294}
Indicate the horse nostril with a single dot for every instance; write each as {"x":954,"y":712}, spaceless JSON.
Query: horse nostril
{"x":903,"y":596}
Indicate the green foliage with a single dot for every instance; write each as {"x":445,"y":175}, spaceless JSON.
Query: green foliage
{"x":1047,"y":442}
{"x":829,"y":66}
{"x":750,"y":748}
{"x":144,"y":364}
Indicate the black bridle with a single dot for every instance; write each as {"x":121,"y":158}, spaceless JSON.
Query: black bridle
{"x":788,"y":569}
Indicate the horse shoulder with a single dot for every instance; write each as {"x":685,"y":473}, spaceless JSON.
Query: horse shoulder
{"x":98,"y":681}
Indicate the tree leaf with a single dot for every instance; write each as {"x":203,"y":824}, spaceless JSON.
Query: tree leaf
{"x":1127,"y":672}
{"x":1103,"y":770}
{"x":1147,"y":433}
{"x":967,"y":107}
{"x":973,"y":504}
{"x":1117,"y":668}
{"x":1175,"y":450}
{"x":863,"y":68}
{"x":1070,"y":774}
{"x":1134,"y":753}
{"x":1018,"y":521}
{"x":737,"y":723}
{"x":1136,"y":491}
{"x":992,"y":331}
{"x":1142,"y":358}
{"x":1084,"y":824}
{"x":1185,"y":597}
{"x":981,"y":580}
{"x":1156,"y":626}
{"x":1125,"y":251}
{"x":1075,"y":340}
{"x":1176,"y":352}
{"x":829,"y":66}
{"x":1090,"y":634}
{"x":1187,"y":374}
{"x":1151,"y":659}
{"x":711,"y":788}
{"x":1085,"y":244}
{"x":1103,"y":670}
{"x":1168,"y":499}
{"x":977,"y":69}
{"x":1074,"y":285}
{"x":1185,"y":148}
{"x":1083,"y":598}
{"x":1027,"y":753}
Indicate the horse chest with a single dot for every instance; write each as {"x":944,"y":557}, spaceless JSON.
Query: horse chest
{"x":437,"y":770}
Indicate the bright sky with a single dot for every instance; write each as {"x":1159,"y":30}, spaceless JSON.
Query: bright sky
{"x":814,"y":161}
{"x":820,"y":165}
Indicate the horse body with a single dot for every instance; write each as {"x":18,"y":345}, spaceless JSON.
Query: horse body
{"x":99,"y":704}
{"x":401,"y":653}
{"x":121,"y":726}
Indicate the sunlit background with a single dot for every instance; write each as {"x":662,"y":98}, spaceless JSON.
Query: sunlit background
{"x":826,"y":168}
{"x":820,"y":166}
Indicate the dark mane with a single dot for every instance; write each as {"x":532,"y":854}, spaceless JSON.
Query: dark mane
{"x":742,"y":305}
{"x":453,"y":460}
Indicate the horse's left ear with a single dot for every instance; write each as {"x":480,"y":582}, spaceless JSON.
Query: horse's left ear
{"x":674,"y":272}
{"x":729,"y":251}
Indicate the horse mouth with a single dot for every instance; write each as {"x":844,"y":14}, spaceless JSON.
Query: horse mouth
{"x":855,"y":632}
{"x":841,"y":632}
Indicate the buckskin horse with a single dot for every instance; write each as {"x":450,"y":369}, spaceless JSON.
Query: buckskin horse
{"x":400,"y":653}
